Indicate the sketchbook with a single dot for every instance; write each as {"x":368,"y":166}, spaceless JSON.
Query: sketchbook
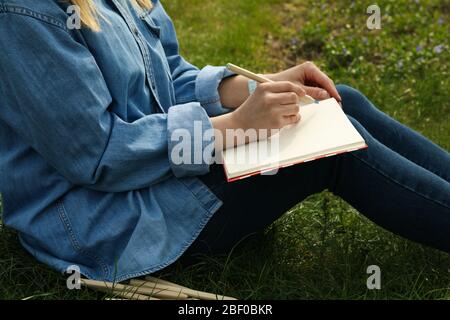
{"x":324,"y":131}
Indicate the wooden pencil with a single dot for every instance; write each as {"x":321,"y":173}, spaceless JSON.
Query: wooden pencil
{"x":261,"y":79}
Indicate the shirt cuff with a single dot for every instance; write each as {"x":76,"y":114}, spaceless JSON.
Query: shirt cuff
{"x":207,"y":89}
{"x":190,"y":137}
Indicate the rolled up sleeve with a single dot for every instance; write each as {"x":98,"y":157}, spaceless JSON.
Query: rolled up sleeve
{"x":191,"y":140}
{"x":207,"y":89}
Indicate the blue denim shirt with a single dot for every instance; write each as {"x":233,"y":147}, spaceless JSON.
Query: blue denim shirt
{"x":85,"y":126}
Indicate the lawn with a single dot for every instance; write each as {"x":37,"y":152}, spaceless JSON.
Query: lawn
{"x":321,"y":248}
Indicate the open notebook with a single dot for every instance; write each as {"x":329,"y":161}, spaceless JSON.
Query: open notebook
{"x":324,"y":131}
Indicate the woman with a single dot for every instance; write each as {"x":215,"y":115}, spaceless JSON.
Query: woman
{"x":87,"y":119}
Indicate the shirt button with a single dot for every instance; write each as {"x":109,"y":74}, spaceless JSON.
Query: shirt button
{"x":135,"y":30}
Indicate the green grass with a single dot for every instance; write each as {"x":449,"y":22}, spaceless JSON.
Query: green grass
{"x":321,"y":248}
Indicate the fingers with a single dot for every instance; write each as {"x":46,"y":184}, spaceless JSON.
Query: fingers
{"x":317,"y":93}
{"x":289,"y":109}
{"x":282,"y":86}
{"x":290,"y":114}
{"x":314,"y":74}
{"x":283,"y":98}
{"x":292,"y":119}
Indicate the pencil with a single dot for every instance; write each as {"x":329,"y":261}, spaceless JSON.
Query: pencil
{"x":261,"y":79}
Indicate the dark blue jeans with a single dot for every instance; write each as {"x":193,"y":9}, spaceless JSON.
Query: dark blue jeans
{"x":401,"y":182}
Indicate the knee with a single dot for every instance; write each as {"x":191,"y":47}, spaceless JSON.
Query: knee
{"x":353,"y":101}
{"x":348,"y":93}
{"x":362,"y":130}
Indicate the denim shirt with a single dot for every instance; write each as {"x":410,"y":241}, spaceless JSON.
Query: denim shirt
{"x":85,"y":125}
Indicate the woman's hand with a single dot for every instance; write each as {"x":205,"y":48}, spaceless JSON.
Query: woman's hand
{"x":315,"y":82}
{"x":272,"y":106}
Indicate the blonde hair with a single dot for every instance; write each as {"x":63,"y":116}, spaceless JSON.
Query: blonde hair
{"x":89,"y":14}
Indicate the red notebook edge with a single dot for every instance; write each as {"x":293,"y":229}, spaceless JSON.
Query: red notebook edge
{"x":288,"y":165}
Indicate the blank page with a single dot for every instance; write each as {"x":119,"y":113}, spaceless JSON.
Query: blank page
{"x":323,"y":131}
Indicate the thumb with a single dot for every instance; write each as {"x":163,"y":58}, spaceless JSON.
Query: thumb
{"x":317,"y":93}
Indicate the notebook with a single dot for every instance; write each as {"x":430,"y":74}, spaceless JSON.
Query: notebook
{"x":324,"y":131}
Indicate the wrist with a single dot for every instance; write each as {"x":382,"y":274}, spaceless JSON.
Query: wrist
{"x":233,"y":91}
{"x":236,"y":121}
{"x":230,"y":120}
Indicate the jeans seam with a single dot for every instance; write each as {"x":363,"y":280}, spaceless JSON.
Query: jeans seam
{"x":400,"y":184}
